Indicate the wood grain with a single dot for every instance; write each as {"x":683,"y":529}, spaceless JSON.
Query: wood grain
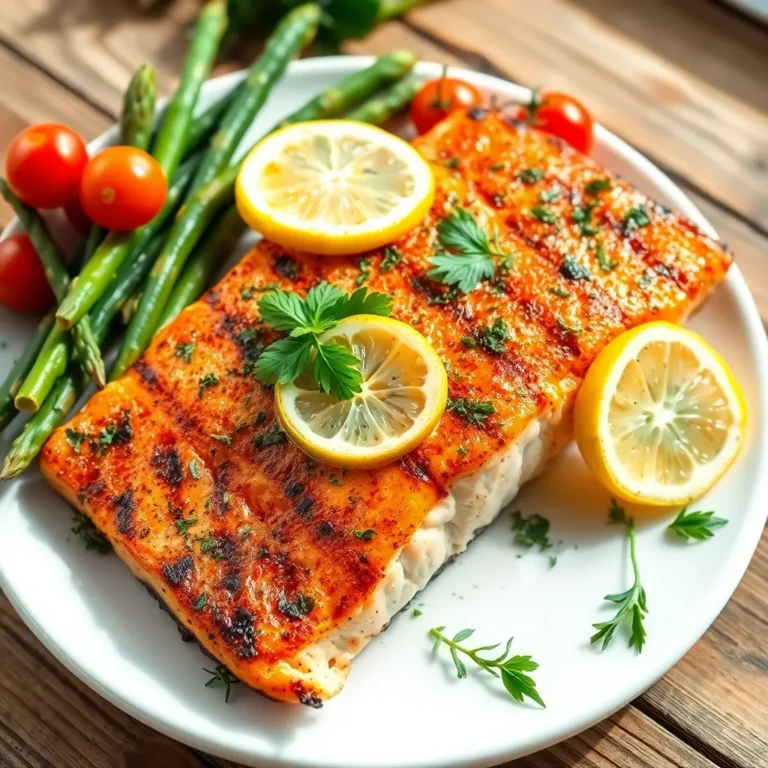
{"x":70,"y":59}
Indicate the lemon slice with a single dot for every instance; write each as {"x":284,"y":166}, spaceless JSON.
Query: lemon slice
{"x":659,"y":417}
{"x":334,"y":187}
{"x":404,"y":392}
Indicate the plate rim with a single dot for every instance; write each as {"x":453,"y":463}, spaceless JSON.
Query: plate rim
{"x":738,"y":558}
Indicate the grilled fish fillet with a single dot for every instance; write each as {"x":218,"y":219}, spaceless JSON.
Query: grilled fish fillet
{"x":251,"y":544}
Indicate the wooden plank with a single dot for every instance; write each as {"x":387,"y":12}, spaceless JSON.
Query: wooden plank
{"x":704,"y":128}
{"x":30,"y":96}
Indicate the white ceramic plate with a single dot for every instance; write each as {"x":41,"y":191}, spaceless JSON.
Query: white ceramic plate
{"x":402,"y":707}
{"x":756,"y":8}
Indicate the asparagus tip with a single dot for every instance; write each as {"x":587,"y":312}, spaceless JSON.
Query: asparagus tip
{"x":12,"y":466}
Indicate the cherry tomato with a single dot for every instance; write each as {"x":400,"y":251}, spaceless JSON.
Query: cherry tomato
{"x":438,"y":98}
{"x":562,"y":116}
{"x":44,"y":165}
{"x":23,"y":285}
{"x":77,"y":218}
{"x":122,"y":188}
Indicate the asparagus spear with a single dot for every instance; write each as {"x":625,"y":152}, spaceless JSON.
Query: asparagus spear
{"x":202,"y":265}
{"x":204,"y":126}
{"x":168,"y":148}
{"x":171,"y":140}
{"x":53,"y":412}
{"x":19,"y":370}
{"x":138,"y":113}
{"x":297,"y":30}
{"x":52,"y":360}
{"x":388,"y":104}
{"x":87,"y":248}
{"x":58,"y":277}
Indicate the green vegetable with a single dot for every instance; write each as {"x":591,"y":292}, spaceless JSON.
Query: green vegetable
{"x":335,"y":369}
{"x":207,"y":123}
{"x":20,"y":369}
{"x":58,"y":278}
{"x":365,"y":535}
{"x":543,"y":214}
{"x":531,"y":531}
{"x":138,"y":113}
{"x":494,"y":337}
{"x":636,"y":218}
{"x":171,"y":141}
{"x":387,"y":104}
{"x":335,"y":100}
{"x":698,"y":526}
{"x":531,"y":175}
{"x":511,"y":669}
{"x":293,"y":34}
{"x":582,"y":215}
{"x":474,"y":412}
{"x":86,"y":249}
{"x":219,"y":675}
{"x":197,"y":213}
{"x":632,"y":604}
{"x":596,"y":186}
{"x":49,"y":365}
{"x":467,"y":257}
{"x":203,"y":263}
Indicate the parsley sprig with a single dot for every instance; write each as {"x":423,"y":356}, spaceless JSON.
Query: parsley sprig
{"x":698,"y":526}
{"x":466,"y":258}
{"x":335,"y":369}
{"x":511,"y":669}
{"x":221,"y":675}
{"x":632,"y":604}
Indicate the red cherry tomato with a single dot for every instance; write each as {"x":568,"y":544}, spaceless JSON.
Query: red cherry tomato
{"x":122,"y":188}
{"x":23,"y":285}
{"x":44,"y":165}
{"x":562,"y":116}
{"x":438,"y":98}
{"x":77,"y":218}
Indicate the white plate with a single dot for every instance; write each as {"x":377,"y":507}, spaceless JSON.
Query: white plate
{"x":401,"y":707}
{"x":755,"y":8}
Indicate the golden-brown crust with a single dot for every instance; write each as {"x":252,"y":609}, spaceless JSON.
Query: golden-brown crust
{"x":249,"y":542}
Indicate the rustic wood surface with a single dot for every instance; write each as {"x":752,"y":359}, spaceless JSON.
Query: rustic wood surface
{"x":683,"y":80}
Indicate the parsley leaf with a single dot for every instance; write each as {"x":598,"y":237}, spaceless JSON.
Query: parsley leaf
{"x":184,"y":351}
{"x":511,"y":669}
{"x":543,"y":214}
{"x":273,"y":436}
{"x":365,"y":535}
{"x":284,"y":361}
{"x":392,"y":257}
{"x":596,"y":186}
{"x":698,"y":526}
{"x":204,"y":382}
{"x":364,"y":265}
{"x":583,"y":217}
{"x":337,"y":371}
{"x":531,"y":531}
{"x":75,"y":439}
{"x":493,"y":337}
{"x":606,"y":264}
{"x":474,"y":412}
{"x":571,"y":269}
{"x":531,"y":175}
{"x":632,"y":604}
{"x":467,"y":258}
{"x":575,"y":328}
{"x":636,"y":218}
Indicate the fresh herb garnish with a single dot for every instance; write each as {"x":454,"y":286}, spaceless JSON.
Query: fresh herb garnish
{"x":561,"y":292}
{"x":112,"y":434}
{"x":474,"y":412}
{"x":333,"y":366}
{"x":365,"y":535}
{"x":632,"y":603}
{"x":185,"y":350}
{"x":462,"y":451}
{"x":333,"y":480}
{"x":245,"y":533}
{"x":531,"y":531}
{"x":75,"y":439}
{"x":493,"y":337}
{"x":550,"y":195}
{"x":212,"y":546}
{"x":204,"y":382}
{"x":499,"y":166}
{"x":90,"y":535}
{"x":194,"y":470}
{"x":582,"y":216}
{"x":295,"y":609}
{"x":571,"y":269}
{"x":552,"y":561}
{"x":511,"y":669}
{"x":183,"y":526}
{"x":392,"y":257}
{"x":416,"y":613}
{"x":531,"y":175}
{"x":453,"y":162}
{"x":605,"y":264}
{"x":636,"y":218}
{"x":221,"y":675}
{"x":575,"y":328}
{"x":364,"y":265}
{"x":272,"y":436}
{"x":543,"y":214}
{"x":226,"y":439}
{"x":596,"y":186}
{"x":698,"y":526}
{"x":201,"y":602}
{"x":467,"y":257}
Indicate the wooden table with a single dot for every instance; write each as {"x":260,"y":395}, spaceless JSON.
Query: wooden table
{"x":683,"y":80}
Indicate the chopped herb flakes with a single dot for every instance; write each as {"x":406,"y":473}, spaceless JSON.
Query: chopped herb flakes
{"x":572,"y":270}
{"x":531,"y":531}
{"x":365,"y":535}
{"x":75,"y":439}
{"x":474,"y":412}
{"x":201,"y":602}
{"x":416,"y":613}
{"x":462,"y":451}
{"x":574,"y":328}
{"x":185,"y":351}
{"x":333,"y":480}
{"x":226,"y":439}
{"x":531,"y":175}
{"x":297,"y":608}
{"x":596,"y":186}
{"x":212,"y":546}
{"x":112,"y":434}
{"x":561,"y":292}
{"x":204,"y":382}
{"x":493,"y":337}
{"x":392,"y":257}
{"x":364,"y":265}
{"x":452,"y":162}
{"x":550,"y":195}
{"x":543,"y":214}
{"x":498,"y":166}
{"x":582,"y":216}
{"x":245,"y":533}
{"x":606,"y":264}
{"x":90,"y":535}
{"x":183,"y":526}
{"x":646,"y":281}
{"x":636,"y":218}
{"x":272,"y":436}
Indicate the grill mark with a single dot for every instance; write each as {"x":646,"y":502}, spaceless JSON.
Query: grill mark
{"x":168,"y":466}
{"x":125,"y":507}
{"x":175,"y":573}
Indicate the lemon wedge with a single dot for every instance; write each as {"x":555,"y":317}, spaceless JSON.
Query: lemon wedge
{"x":659,"y":417}
{"x":334,"y":187}
{"x":404,"y":393}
